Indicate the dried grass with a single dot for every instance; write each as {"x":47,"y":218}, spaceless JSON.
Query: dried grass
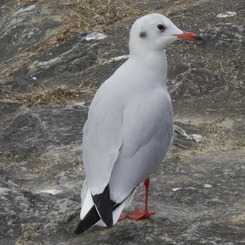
{"x":58,"y":95}
{"x":79,"y":16}
{"x":91,"y":15}
{"x":26,"y":2}
{"x":94,"y":15}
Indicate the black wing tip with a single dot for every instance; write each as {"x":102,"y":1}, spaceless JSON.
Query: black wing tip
{"x":80,"y":228}
{"x":104,"y":206}
{"x":91,"y":218}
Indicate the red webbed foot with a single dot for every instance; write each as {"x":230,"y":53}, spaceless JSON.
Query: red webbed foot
{"x":140,"y":213}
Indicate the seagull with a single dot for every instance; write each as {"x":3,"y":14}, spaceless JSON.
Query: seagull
{"x":129,"y":127}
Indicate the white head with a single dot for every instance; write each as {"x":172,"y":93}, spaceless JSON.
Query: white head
{"x":155,"y":32}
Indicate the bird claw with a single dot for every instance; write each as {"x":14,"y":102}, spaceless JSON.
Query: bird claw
{"x":122,"y":217}
{"x":140,"y":213}
{"x":137,"y":214}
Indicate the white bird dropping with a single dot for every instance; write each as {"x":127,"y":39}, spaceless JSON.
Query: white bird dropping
{"x":129,"y":126}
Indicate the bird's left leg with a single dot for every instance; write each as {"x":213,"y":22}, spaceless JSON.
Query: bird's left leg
{"x":138,"y":212}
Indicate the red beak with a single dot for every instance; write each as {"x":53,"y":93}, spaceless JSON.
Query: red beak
{"x":189,"y":35}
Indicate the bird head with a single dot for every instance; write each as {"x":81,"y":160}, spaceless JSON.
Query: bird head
{"x":155,"y":32}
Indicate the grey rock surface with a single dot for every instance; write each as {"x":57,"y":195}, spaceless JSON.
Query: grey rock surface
{"x":198,"y":193}
{"x":194,"y":81}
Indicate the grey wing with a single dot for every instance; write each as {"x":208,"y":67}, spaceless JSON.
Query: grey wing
{"x":102,"y":139}
{"x":147,"y":134}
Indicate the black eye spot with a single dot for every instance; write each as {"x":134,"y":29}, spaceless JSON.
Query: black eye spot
{"x":143,"y":34}
{"x":161,"y":27}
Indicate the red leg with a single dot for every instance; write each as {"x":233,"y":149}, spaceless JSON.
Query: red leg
{"x":138,"y":212}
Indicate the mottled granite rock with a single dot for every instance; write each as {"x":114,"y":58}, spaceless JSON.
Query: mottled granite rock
{"x":197,"y":193}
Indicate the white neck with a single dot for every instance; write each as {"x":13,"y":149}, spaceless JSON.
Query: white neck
{"x":153,"y":60}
